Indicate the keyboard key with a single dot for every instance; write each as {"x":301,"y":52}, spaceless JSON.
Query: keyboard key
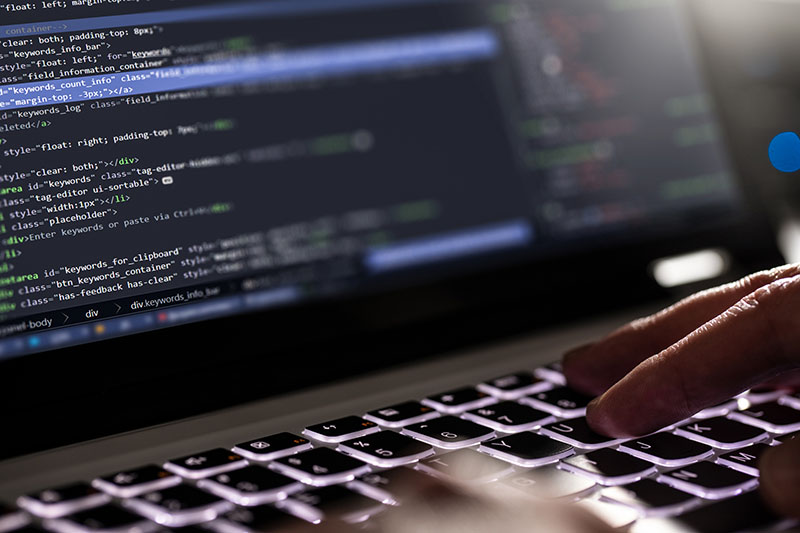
{"x":320,"y":467}
{"x":64,"y":500}
{"x":788,"y":437}
{"x":206,"y":463}
{"x":613,"y":514}
{"x":449,"y":432}
{"x":721,"y":409}
{"x":459,"y":400}
{"x":792,"y":400}
{"x":272,"y":447}
{"x":131,"y":483}
{"x":389,"y":486}
{"x":465,"y":466}
{"x":577,"y":433}
{"x":513,"y":386}
{"x":509,"y":417}
{"x":252,"y":485}
{"x":772,"y":416}
{"x":260,"y":519}
{"x":744,"y":460}
{"x":560,"y":401}
{"x":721,"y":433}
{"x":527,"y":449}
{"x":386,"y":449}
{"x":666,"y":449}
{"x":652,"y":498}
{"x":760,"y":396}
{"x":552,"y":372}
{"x":333,"y":503}
{"x":550,"y":483}
{"x":341,"y":429}
{"x":609,"y":467}
{"x":747,"y":512}
{"x":709,"y":480}
{"x":107,"y":518}
{"x":11,"y":518}
{"x":179,"y":506}
{"x":402,"y":414}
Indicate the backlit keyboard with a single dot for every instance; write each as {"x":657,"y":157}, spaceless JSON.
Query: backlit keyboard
{"x":524,"y":432}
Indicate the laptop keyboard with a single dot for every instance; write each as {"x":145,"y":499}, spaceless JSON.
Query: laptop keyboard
{"x":524,"y":432}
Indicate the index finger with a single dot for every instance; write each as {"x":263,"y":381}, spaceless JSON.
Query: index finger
{"x":595,"y":368}
{"x":757,"y":338}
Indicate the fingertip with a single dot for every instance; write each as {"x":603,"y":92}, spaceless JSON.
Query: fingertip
{"x":604,"y":418}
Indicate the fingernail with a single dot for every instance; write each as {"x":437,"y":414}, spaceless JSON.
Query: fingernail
{"x":780,"y":477}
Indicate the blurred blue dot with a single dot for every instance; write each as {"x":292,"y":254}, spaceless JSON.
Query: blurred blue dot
{"x":784,"y":152}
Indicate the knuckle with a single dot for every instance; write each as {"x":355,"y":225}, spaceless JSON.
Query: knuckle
{"x":638,"y":325}
{"x":765,"y":277}
{"x":775,"y":294}
{"x":775,"y":306}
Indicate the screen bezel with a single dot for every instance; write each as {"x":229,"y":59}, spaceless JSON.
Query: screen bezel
{"x":94,"y":390}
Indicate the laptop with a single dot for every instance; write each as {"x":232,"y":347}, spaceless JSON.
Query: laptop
{"x":263,"y":257}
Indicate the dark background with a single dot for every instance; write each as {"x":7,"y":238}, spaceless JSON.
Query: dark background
{"x":753,"y":55}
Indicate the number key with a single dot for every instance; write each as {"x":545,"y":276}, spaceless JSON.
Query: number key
{"x":386,"y":449}
{"x":560,"y":401}
{"x":509,"y":417}
{"x":449,"y":432}
{"x":459,"y":400}
{"x":402,"y":414}
{"x":341,"y":429}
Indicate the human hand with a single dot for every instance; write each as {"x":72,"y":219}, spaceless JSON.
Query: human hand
{"x":701,"y":351}
{"x":434,"y":506}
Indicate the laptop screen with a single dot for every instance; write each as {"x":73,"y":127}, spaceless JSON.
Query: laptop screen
{"x":173,"y":162}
